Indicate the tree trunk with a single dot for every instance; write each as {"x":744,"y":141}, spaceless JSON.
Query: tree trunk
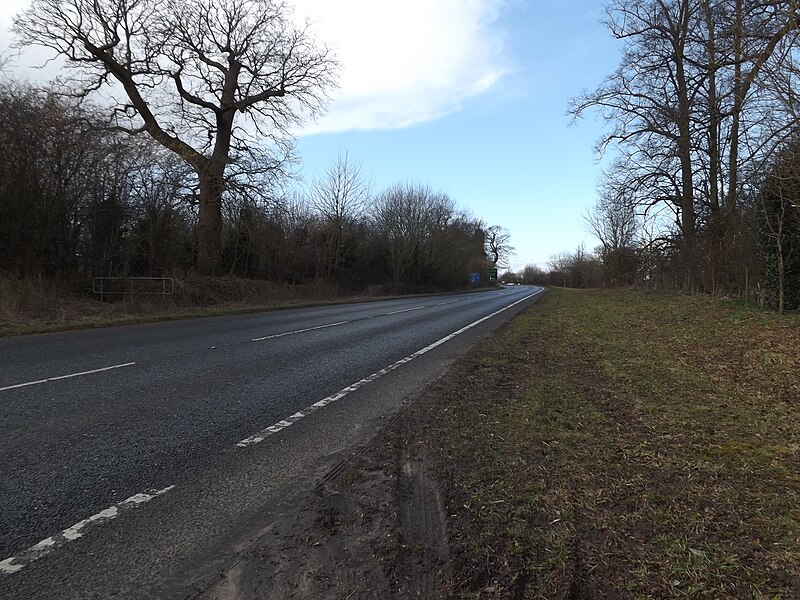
{"x":685,"y":147}
{"x":209,"y":227}
{"x":740,"y":88}
{"x":781,"y":276}
{"x":713,"y":111}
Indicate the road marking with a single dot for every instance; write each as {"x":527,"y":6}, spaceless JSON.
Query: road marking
{"x":47,"y":545}
{"x":19,"y":385}
{"x":277,"y":335}
{"x":289,"y":421}
{"x":448,"y":302}
{"x":397,"y":312}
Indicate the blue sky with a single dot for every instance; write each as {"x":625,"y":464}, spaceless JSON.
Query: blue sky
{"x":508,"y":154}
{"x":469,"y":97}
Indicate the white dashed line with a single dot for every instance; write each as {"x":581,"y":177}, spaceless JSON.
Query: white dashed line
{"x":19,"y":385}
{"x":277,"y":335}
{"x":397,"y":312}
{"x":289,"y":421}
{"x":47,"y":545}
{"x":448,"y":302}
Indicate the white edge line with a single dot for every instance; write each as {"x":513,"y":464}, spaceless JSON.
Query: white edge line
{"x":18,"y":562}
{"x":397,"y":312}
{"x":289,"y":421}
{"x":19,"y":385}
{"x":277,"y":335}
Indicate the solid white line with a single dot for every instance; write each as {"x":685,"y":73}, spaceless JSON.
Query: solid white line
{"x":19,"y":385}
{"x":277,"y":335}
{"x":397,"y":312}
{"x":47,"y":545}
{"x":289,"y":421}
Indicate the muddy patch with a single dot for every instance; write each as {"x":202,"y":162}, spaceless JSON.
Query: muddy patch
{"x":373,"y":528}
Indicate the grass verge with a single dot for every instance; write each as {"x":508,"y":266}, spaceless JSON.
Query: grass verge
{"x":41,"y":305}
{"x":626,"y":445}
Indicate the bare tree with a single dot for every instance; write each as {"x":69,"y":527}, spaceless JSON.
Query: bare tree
{"x":159,"y":186}
{"x":614,"y":222}
{"x":533,"y":274}
{"x":649,"y":98}
{"x":340,"y":197}
{"x":775,"y":220}
{"x":703,"y":94}
{"x":410,"y":217}
{"x":50,"y":164}
{"x":559,"y":265}
{"x":186,"y":69}
{"x":498,"y":245}
{"x":342,"y":192}
{"x":779,"y":200}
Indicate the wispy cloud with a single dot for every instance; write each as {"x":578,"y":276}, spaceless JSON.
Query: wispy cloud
{"x":406,"y":62}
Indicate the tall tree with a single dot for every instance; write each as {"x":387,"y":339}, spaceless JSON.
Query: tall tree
{"x":739,"y":46}
{"x":182,"y":70}
{"x":416,"y":226}
{"x":498,"y":246}
{"x":50,"y":163}
{"x":779,"y":225}
{"x":649,"y":98}
{"x":692,"y":107}
{"x":614,"y":223}
{"x":339,"y":197}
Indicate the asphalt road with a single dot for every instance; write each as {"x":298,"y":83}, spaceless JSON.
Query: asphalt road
{"x":137,"y":461}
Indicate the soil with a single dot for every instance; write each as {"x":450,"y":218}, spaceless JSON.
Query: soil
{"x":374,"y":527}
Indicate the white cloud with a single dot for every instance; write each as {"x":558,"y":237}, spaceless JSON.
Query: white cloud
{"x":7,"y":11}
{"x":405,"y":62}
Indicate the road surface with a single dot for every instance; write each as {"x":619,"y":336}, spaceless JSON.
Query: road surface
{"x":137,"y":461}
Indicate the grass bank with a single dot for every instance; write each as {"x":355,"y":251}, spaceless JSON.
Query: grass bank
{"x":39,"y":305}
{"x":626,"y":445}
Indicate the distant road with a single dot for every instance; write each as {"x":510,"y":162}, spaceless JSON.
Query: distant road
{"x":136,"y":460}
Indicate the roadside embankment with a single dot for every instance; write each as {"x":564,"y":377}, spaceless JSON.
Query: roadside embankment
{"x":39,"y":304}
{"x":621,"y":444}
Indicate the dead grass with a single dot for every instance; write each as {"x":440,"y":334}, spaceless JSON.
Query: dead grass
{"x":627,"y":445}
{"x":38,"y":305}
{"x":34,"y":305}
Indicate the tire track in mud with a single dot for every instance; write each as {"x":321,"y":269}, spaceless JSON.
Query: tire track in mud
{"x":373,"y":528}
